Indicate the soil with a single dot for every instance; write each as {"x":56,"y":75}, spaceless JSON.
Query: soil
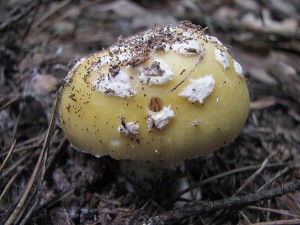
{"x":43,"y":180}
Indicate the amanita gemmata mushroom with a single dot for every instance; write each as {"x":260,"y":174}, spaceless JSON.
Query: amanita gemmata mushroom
{"x":166,"y":94}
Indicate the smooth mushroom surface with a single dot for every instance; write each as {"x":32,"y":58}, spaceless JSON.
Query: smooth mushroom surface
{"x":168,"y":93}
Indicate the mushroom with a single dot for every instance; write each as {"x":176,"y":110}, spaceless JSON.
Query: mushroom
{"x":168,"y":93}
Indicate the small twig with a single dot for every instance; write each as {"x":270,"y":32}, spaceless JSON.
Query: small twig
{"x":11,"y":181}
{"x":138,"y":212}
{"x":17,"y":121}
{"x":69,"y":13}
{"x":36,"y":8}
{"x":252,"y":177}
{"x":14,"y":99}
{"x":8,"y":156}
{"x":245,"y":218}
{"x":52,"y":158}
{"x":277,"y":211}
{"x":50,"y":13}
{"x":232,"y":202}
{"x":14,"y":166}
{"x":20,"y":149}
{"x":264,"y":103}
{"x":158,"y":190}
{"x":30,"y":203}
{"x":280,"y":222}
{"x":23,"y":145}
{"x":38,"y":172}
{"x":25,"y":142}
{"x":33,"y":207}
{"x":280,"y":173}
{"x":10,"y":21}
{"x":222,"y":175}
{"x":200,"y":57}
{"x":52,"y":202}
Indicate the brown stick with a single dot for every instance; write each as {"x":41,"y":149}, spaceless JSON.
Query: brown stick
{"x":200,"y":57}
{"x":233,"y":202}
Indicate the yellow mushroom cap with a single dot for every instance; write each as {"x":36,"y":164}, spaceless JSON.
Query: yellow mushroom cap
{"x":166,"y":94}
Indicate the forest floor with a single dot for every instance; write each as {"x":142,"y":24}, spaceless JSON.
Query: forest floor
{"x":43,"y":180}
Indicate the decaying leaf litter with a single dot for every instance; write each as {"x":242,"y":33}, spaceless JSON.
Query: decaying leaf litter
{"x":239,"y":184}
